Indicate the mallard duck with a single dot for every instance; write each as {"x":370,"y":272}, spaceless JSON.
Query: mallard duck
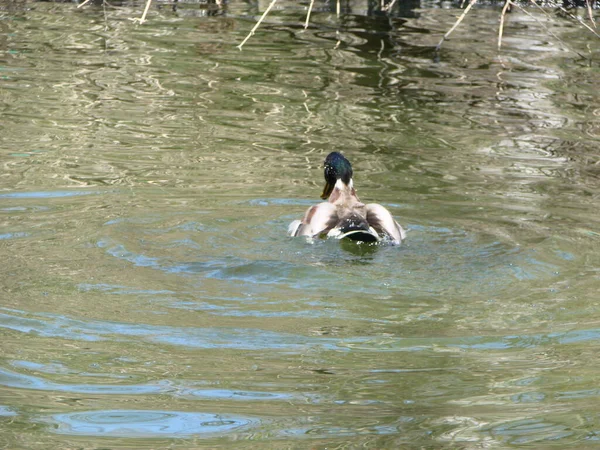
{"x":343,"y":215}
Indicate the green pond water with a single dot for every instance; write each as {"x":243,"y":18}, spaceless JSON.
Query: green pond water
{"x":149,"y":294}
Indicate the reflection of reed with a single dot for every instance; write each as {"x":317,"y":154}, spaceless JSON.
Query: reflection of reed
{"x":383,"y":4}
{"x":508,"y":4}
{"x":3,"y":36}
{"x":387,"y":7}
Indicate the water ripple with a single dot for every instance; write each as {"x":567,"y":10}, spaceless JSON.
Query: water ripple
{"x":18,"y":380}
{"x":528,"y":431}
{"x":181,"y":388}
{"x":146,"y":423}
{"x":48,"y":194}
{"x":13,"y":235}
{"x":435,"y":259}
{"x":52,"y":325}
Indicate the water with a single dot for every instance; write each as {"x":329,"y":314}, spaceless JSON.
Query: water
{"x":150,"y":297}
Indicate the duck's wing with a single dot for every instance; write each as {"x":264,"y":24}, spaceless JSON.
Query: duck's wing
{"x":382,"y":221}
{"x":319,"y":219}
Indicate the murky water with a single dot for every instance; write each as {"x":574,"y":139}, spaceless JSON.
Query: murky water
{"x":150,"y":297}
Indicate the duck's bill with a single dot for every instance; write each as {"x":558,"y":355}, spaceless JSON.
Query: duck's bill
{"x":327,"y":190}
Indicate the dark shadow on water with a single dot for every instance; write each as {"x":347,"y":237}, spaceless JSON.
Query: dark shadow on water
{"x":363,"y":249}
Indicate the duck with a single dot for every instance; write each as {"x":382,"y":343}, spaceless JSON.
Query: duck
{"x":343,"y":215}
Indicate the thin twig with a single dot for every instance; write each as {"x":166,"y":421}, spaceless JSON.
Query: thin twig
{"x":84,"y":3}
{"x":501,"y":30}
{"x":257,"y":23}
{"x":338,"y":8}
{"x":523,"y":10}
{"x":549,"y":16}
{"x":458,"y":21}
{"x":580,"y":21}
{"x":310,"y":7}
{"x":589,"y":10}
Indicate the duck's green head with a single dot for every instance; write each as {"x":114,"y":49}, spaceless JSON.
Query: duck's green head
{"x":337,"y":167}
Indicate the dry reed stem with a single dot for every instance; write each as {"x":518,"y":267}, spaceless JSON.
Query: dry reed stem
{"x":389,"y":6}
{"x":501,"y":29}
{"x":580,"y":21}
{"x":105,"y":23}
{"x":544,"y":26}
{"x":569,"y":14}
{"x":257,"y":23}
{"x":380,"y":52}
{"x":310,"y":7}
{"x":84,"y":3}
{"x":142,"y":19}
{"x":458,"y":21}
{"x":338,"y":8}
{"x":589,"y":10}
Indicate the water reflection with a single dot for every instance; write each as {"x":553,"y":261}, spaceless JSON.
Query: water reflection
{"x":136,"y":423}
{"x":165,"y":387}
{"x":149,"y":176}
{"x":46,"y":194}
{"x":528,"y":431}
{"x":6,"y":412}
{"x":50,"y":325}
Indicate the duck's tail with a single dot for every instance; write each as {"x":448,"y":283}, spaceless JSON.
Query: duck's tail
{"x":354,"y":227}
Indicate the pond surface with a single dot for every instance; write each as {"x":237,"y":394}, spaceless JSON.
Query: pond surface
{"x":149,"y":294}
